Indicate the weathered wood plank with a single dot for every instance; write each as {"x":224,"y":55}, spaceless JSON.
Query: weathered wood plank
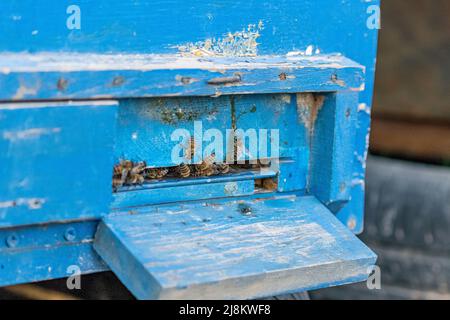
{"x":42,"y":252}
{"x":332,"y":124}
{"x":240,"y":249}
{"x":161,"y":26}
{"x":167,"y":194}
{"x":146,"y":127}
{"x":56,"y":161}
{"x":70,"y":76}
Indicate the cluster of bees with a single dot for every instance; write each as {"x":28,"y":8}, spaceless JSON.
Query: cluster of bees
{"x":127,"y":173}
{"x":207,"y":168}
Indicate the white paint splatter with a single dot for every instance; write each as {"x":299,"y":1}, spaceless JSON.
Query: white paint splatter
{"x":238,"y":44}
{"x":29,"y":133}
{"x":309,"y":50}
{"x":362,"y":107}
{"x":24,"y":91}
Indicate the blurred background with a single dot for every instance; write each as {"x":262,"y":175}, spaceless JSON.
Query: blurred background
{"x":408,"y":171}
{"x":408,"y":174}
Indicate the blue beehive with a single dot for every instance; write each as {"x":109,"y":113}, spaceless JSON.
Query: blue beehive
{"x":197,"y":150}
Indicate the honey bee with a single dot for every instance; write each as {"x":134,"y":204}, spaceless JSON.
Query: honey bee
{"x":190,"y":150}
{"x":206,"y":167}
{"x":117,"y":171}
{"x":162,"y":172}
{"x":135,"y":178}
{"x":138,"y":168}
{"x":136,"y":173}
{"x":210,"y":171}
{"x":207,"y":163}
{"x":223,"y":168}
{"x":117,"y":183}
{"x":150,"y":173}
{"x":128,"y":173}
{"x":238,"y":149}
{"x":195,"y":171}
{"x":184,"y":171}
{"x":156,"y":173}
{"x":120,"y":173}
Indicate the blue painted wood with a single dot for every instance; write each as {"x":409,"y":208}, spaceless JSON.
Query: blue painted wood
{"x":273,"y":111}
{"x":332,"y":145}
{"x":33,"y":34}
{"x":81,"y":76}
{"x":118,"y":27}
{"x":240,"y":249}
{"x":166,"y":194}
{"x":55,"y":262}
{"x":43,"y":252}
{"x":353,"y":213}
{"x":160,"y":26}
{"x":331,"y":26}
{"x":56,"y":161}
{"x":292,"y":174}
{"x":145,"y":127}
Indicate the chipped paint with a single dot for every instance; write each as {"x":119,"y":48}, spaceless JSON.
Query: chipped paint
{"x":310,"y":50}
{"x":308,"y":107}
{"x":237,"y":44}
{"x":185,"y":80}
{"x":76,"y":62}
{"x":31,"y":203}
{"x":231,"y":188}
{"x":352,"y":223}
{"x":176,"y":111}
{"x":359,"y":182}
{"x":336,"y":80}
{"x":362,"y":107}
{"x":55,"y":104}
{"x":32,"y":133}
{"x":286,"y":98}
{"x":24,"y":91}
{"x":362,"y":159}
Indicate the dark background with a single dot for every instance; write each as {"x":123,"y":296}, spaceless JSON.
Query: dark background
{"x":408,"y":181}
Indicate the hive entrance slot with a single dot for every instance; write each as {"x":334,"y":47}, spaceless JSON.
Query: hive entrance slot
{"x":129,"y":174}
